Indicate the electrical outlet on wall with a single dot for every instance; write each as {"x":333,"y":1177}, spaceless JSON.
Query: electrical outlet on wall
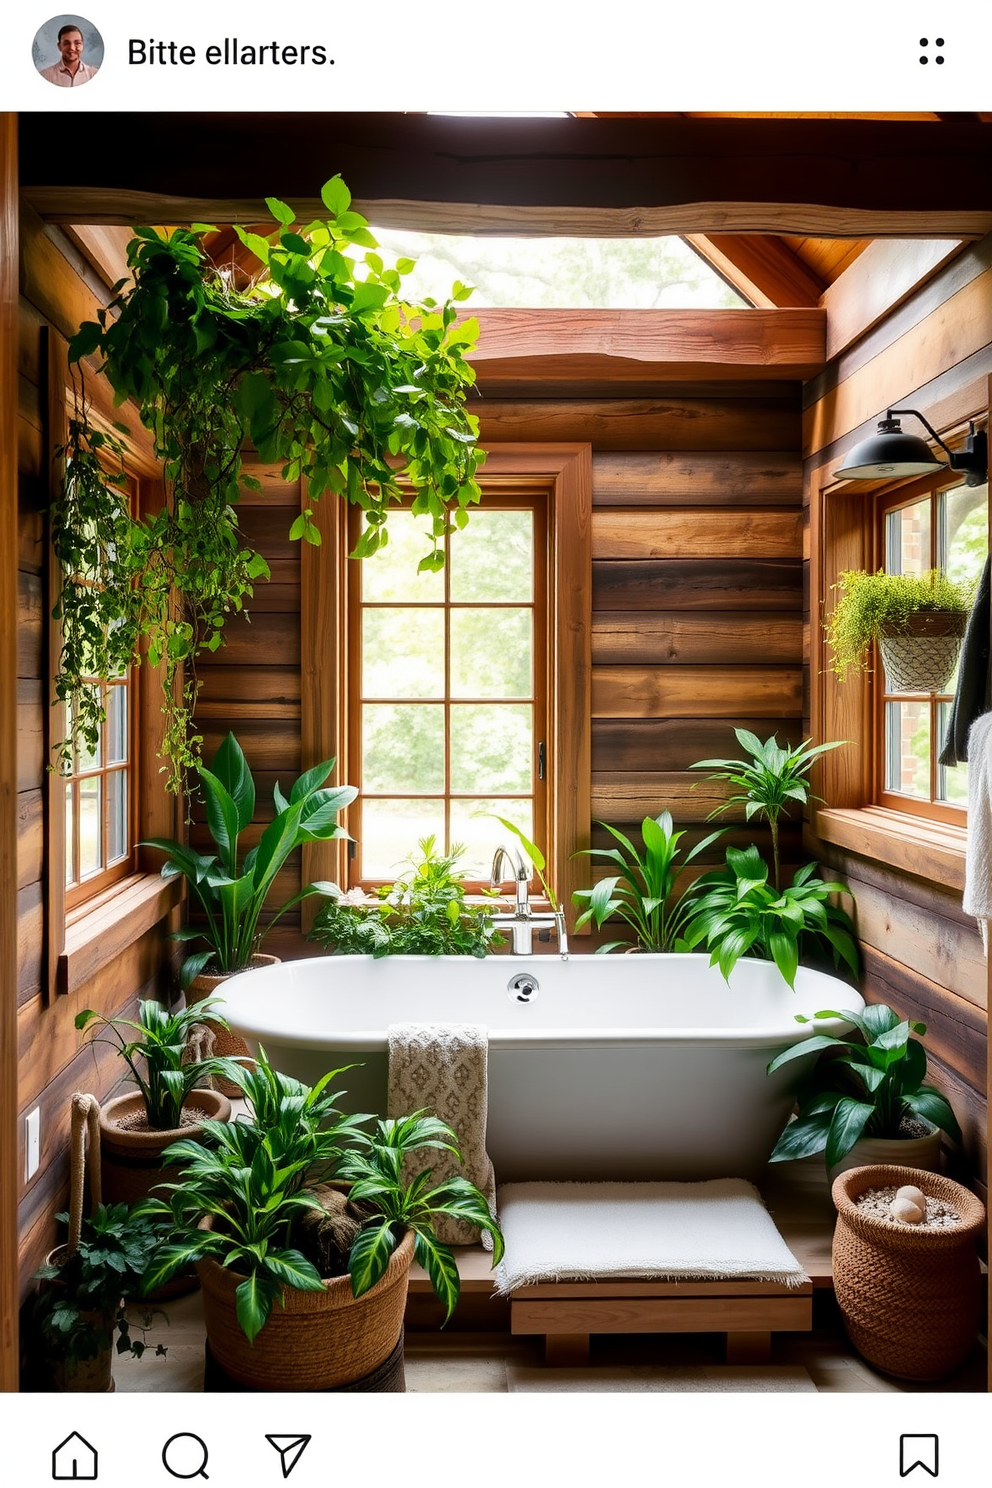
{"x":32,"y":1142}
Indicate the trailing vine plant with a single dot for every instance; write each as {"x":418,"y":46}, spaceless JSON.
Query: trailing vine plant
{"x":321,"y":366}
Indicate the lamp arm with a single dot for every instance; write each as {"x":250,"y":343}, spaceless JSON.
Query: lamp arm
{"x":891,"y":412}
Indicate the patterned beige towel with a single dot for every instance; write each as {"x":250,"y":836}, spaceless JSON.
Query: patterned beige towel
{"x":442,"y":1067}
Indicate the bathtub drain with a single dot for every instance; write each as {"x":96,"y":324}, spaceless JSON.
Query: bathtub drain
{"x":523,"y":988}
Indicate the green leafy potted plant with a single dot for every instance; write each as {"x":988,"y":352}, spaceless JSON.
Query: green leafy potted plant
{"x":737,"y":913}
{"x":231,"y":889}
{"x":273,"y":1321}
{"x":917,"y":621}
{"x":320,"y":364}
{"x":135,"y":1129}
{"x":424,"y":913}
{"x":770,"y":781}
{"x":642,"y":894}
{"x":864,"y":1100}
{"x":78,"y":1309}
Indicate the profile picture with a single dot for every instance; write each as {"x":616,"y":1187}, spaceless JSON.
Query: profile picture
{"x":68,"y":51}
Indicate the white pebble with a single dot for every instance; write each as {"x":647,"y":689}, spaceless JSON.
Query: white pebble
{"x":913,"y":1194}
{"x":907,"y":1211}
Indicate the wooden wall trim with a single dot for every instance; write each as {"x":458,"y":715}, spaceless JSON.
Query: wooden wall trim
{"x":9,"y":1174}
{"x":880,"y":278}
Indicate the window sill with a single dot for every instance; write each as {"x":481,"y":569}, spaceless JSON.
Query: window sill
{"x":930,"y":850}
{"x":98,"y":932}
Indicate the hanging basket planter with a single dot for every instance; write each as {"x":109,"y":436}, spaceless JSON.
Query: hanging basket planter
{"x":922,"y":655}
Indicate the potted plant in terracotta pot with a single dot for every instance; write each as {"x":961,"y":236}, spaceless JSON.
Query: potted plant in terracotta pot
{"x":170,"y":1100}
{"x":865,"y":1101}
{"x":258,"y":1210}
{"x":917,"y":620}
{"x":231,"y":888}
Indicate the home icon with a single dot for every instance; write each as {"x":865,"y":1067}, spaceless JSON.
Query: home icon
{"x":74,"y":1460}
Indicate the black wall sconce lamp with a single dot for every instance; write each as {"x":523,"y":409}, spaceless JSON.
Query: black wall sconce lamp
{"x":890,"y":452}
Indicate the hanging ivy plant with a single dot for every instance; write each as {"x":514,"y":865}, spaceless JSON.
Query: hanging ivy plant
{"x":321,"y":366}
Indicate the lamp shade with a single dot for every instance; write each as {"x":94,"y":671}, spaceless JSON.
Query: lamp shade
{"x":890,"y":452}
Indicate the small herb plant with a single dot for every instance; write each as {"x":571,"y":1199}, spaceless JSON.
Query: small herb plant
{"x":770,"y":781}
{"x":424,"y":913}
{"x":157,"y":1057}
{"x":863,"y":1087}
{"x":643,"y":893}
{"x":232,"y":890}
{"x":321,"y":365}
{"x":79,"y":1309}
{"x":252,"y":1182}
{"x":737,"y":913}
{"x":872,"y":605}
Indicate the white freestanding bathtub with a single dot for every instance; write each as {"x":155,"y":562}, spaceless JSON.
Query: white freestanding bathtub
{"x":627,"y":1067}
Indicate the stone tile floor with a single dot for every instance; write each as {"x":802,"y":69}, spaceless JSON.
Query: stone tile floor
{"x":472,"y":1363}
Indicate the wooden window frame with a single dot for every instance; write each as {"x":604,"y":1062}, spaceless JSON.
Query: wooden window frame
{"x":501,"y":493}
{"x":842,"y":535}
{"x":565,"y":471}
{"x":81,"y":938}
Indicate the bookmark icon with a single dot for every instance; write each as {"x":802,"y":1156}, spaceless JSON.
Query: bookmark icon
{"x":290,"y":1449}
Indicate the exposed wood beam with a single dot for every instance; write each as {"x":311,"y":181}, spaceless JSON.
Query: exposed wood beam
{"x":522,"y":346}
{"x":764,"y":269}
{"x":104,"y":248}
{"x":831,"y":177}
{"x":9,"y":1169}
{"x":882,"y":277}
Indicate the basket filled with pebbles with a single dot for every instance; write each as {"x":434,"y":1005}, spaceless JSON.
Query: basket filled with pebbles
{"x":906,"y":1270}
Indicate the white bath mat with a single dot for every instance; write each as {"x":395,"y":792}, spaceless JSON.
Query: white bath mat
{"x":649,"y":1378}
{"x":716,"y":1231}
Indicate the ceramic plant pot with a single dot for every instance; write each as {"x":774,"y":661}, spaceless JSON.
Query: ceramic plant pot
{"x":131,"y":1160}
{"x":226,"y":1045}
{"x":318,"y":1340}
{"x":910,"y":1296}
{"x":922,"y":657}
{"x":898,"y":1152}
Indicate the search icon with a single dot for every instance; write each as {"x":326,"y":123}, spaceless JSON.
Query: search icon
{"x":185,"y":1455}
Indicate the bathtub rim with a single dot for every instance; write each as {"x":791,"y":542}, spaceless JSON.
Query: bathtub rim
{"x":374,"y":1040}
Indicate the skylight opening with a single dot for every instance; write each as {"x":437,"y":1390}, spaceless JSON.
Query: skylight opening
{"x":662,"y":273}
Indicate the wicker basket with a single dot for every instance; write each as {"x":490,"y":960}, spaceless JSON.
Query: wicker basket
{"x":910,"y":1297}
{"x":131,"y":1161}
{"x":318,"y":1340}
{"x":922,"y":656}
{"x":227,"y":1045}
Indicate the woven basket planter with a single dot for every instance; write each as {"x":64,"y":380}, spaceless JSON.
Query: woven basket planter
{"x":131,"y":1161}
{"x":922,"y":657}
{"x":92,"y":1376}
{"x":318,"y":1340}
{"x":909,"y":1296}
{"x":226,"y":1045}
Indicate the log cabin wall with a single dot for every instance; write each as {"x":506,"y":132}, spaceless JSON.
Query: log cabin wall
{"x":922,"y":954}
{"x":59,"y":289}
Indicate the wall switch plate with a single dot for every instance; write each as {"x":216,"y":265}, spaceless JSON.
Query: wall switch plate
{"x":32,"y":1144}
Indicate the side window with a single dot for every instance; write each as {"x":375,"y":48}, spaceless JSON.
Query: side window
{"x":948,"y":529}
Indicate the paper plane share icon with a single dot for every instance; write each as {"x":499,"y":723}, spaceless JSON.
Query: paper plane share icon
{"x":290,"y":1449}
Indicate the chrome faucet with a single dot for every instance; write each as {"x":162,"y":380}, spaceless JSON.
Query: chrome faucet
{"x":524,"y":921}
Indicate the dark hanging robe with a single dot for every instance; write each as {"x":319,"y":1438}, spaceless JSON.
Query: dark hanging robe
{"x":974,"y":691}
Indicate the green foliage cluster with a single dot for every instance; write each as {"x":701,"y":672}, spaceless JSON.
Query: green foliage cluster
{"x":321,"y":366}
{"x":769,"y":781}
{"x":79,"y":1307}
{"x":872,"y":605}
{"x":424,"y":913}
{"x":252,"y":1178}
{"x":232,"y":890}
{"x":643,"y":893}
{"x":158,"y":1058}
{"x":737,"y":913}
{"x":860,"y":1087}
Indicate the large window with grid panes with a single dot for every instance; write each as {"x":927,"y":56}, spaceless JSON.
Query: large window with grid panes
{"x":945,"y":526}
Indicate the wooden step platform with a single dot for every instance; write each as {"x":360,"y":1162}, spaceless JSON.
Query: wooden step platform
{"x":797,"y":1196}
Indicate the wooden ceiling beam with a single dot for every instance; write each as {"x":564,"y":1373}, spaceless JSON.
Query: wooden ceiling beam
{"x":764,"y":269}
{"x":586,"y":346}
{"x":882,"y":277}
{"x":818,"y":177}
